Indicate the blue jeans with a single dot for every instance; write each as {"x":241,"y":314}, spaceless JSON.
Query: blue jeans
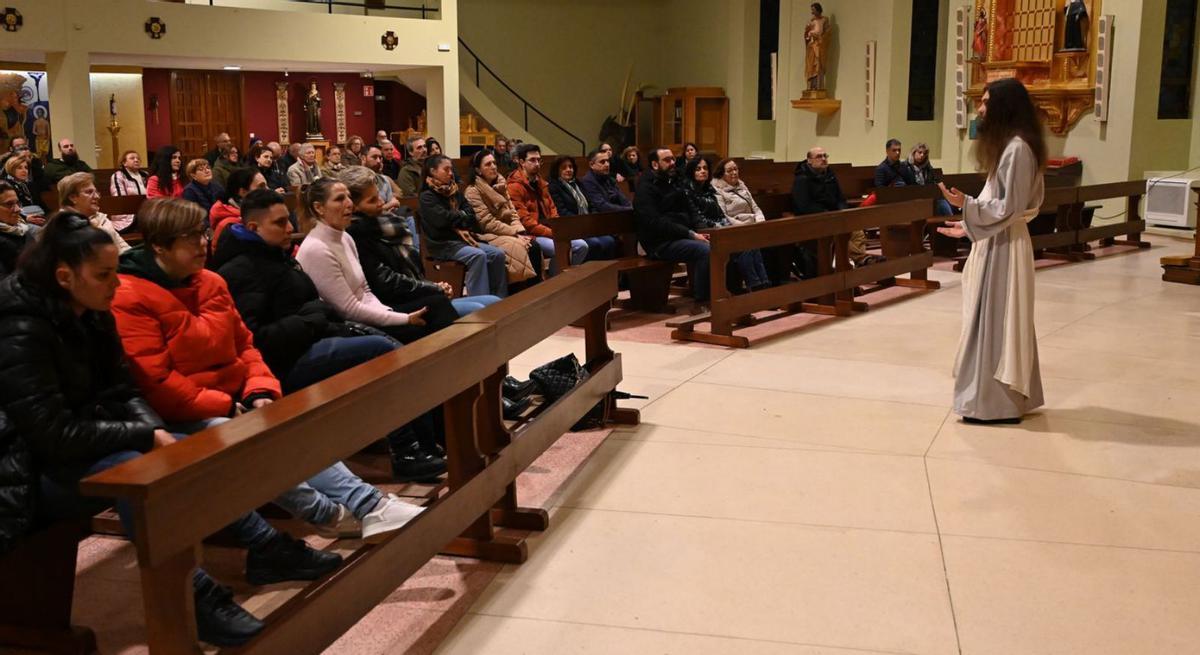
{"x":412,"y":229}
{"x":604,"y":247}
{"x":579,"y":251}
{"x":942,"y":208}
{"x":750,"y":264}
{"x":470,"y":304}
{"x":316,"y":499}
{"x":486,"y":272}
{"x":694,"y":253}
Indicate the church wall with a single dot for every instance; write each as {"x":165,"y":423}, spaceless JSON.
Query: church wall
{"x":1195,"y":148}
{"x":130,"y":114}
{"x":1156,"y":144}
{"x":912,"y":132}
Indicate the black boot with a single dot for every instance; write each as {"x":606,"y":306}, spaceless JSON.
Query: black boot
{"x":287,"y":558}
{"x":219,"y":620}
{"x":411,"y":463}
{"x":514,"y":389}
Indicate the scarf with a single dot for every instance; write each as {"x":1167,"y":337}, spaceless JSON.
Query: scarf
{"x":448,"y":190}
{"x":580,"y":199}
{"x":16,"y":230}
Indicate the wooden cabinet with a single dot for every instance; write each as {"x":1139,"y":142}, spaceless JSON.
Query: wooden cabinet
{"x":697,"y":115}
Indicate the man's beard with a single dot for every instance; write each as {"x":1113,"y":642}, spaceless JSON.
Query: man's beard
{"x":71,"y":158}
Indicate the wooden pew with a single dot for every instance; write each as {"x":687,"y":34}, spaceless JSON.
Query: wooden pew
{"x":1182,"y":268}
{"x":836,"y":277}
{"x":117,"y":205}
{"x":183,"y":493}
{"x":1133,"y":225}
{"x":649,"y":279}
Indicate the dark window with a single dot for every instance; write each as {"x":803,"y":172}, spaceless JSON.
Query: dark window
{"x":923,"y":60}
{"x":768,"y":47}
{"x":1175,"y":81}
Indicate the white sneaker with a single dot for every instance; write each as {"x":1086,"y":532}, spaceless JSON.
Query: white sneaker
{"x":389,"y":515}
{"x":343,"y":526}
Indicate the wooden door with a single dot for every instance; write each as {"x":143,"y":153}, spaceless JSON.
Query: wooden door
{"x":204,"y":104}
{"x":712,"y":121}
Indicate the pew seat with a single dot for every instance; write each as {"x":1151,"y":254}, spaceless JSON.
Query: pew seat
{"x":649,"y":280}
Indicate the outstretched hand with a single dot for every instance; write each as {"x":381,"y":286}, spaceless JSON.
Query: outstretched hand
{"x":953,"y":196}
{"x":953,"y":229}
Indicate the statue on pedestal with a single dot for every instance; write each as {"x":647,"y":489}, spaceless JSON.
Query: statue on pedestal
{"x":312,"y":112}
{"x":816,"y":39}
{"x":1075,"y":34}
{"x":979,"y":44}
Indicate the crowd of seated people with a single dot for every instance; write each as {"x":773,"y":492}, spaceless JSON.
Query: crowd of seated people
{"x":499,"y":224}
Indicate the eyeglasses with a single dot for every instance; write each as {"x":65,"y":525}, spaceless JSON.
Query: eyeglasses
{"x":195,"y":237}
{"x":821,"y":156}
{"x":534,"y":160}
{"x":11,"y":204}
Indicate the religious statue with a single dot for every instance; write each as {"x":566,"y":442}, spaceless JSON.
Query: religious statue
{"x":41,"y":132}
{"x":979,"y":45}
{"x":1075,"y":36}
{"x":816,"y":38}
{"x":312,"y":111}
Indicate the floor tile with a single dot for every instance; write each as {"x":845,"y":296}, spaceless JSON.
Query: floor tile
{"x":861,"y":589}
{"x":981,"y":500}
{"x":762,"y":484}
{"x":1037,"y":598}
{"x":847,"y":423}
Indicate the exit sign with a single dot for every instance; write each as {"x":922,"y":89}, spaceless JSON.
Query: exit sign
{"x":368,"y":90}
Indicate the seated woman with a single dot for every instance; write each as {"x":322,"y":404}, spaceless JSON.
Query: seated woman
{"x":570,"y":200}
{"x":432,"y":147}
{"x":263,"y":159}
{"x":499,"y":224}
{"x":629,"y":167}
{"x":227,"y":162}
{"x":15,"y":234}
{"x":196,"y":363}
{"x":128,"y":180}
{"x":449,"y":223}
{"x":733,"y":196}
{"x":330,"y":257}
{"x":353,"y":154}
{"x":333,"y":162}
{"x":302,"y":338}
{"x":706,"y":213}
{"x":72,"y":406}
{"x":203,"y":189}
{"x":167,"y":179}
{"x":921,"y":173}
{"x":390,"y":264}
{"x":226,"y":211}
{"x":77,"y":191}
{"x":16,"y":173}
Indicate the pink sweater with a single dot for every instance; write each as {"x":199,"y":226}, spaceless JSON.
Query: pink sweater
{"x":330,"y":258}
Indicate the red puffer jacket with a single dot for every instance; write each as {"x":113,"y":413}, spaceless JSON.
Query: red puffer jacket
{"x":220,"y":217}
{"x":535,"y":209}
{"x":190,"y":352}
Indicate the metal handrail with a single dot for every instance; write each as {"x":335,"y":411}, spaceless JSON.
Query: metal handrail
{"x":424,"y":9}
{"x":527,"y":105}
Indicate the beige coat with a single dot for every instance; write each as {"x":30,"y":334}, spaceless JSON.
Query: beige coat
{"x":737,"y":203}
{"x":100,"y":220}
{"x":501,"y":227}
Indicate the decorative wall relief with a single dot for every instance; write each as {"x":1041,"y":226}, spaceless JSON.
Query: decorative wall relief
{"x":13,"y":20}
{"x":25,"y":110}
{"x":339,"y":111}
{"x":155,"y":27}
{"x":281,"y":112}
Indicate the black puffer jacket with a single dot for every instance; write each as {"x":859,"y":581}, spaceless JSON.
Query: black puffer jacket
{"x":703,"y":206}
{"x":395,"y":278}
{"x":11,"y":247}
{"x":277,"y":300}
{"x":67,"y":395}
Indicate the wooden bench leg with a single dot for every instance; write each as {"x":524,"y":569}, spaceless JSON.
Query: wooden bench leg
{"x":168,"y":599}
{"x":649,"y":290}
{"x":39,"y":617}
{"x":471,"y":437}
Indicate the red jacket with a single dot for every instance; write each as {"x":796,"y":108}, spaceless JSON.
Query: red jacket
{"x":153,"y":190}
{"x":219,"y":218}
{"x":535,"y":209}
{"x":189,"y":350}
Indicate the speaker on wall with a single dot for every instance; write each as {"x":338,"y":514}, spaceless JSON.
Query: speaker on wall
{"x":962,"y":22}
{"x":1104,"y":44}
{"x":870,"y":90}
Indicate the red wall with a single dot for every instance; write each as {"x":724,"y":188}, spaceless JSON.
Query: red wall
{"x":156,"y":82}
{"x":258,"y":105}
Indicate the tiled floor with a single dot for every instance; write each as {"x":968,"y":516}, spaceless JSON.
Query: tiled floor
{"x":814,"y":494}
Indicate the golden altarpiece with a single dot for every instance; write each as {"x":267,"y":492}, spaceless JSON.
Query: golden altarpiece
{"x":1049,"y":45}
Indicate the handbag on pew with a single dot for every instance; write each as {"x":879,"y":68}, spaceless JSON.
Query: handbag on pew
{"x":355,"y":329}
{"x":556,"y":378}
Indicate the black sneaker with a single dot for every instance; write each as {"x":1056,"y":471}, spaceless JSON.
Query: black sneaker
{"x":287,"y":558}
{"x":411,"y":463}
{"x":219,"y":620}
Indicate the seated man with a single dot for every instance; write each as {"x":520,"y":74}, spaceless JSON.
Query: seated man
{"x":391,"y":164}
{"x":664,"y":225}
{"x":891,"y":171}
{"x":69,"y":162}
{"x":196,"y":363}
{"x":304,"y":171}
{"x":531,"y":196}
{"x":409,"y":178}
{"x":816,"y":190}
{"x":599,"y":187}
{"x":224,"y":143}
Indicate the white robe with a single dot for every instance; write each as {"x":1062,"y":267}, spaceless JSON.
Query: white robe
{"x":996,"y":370}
